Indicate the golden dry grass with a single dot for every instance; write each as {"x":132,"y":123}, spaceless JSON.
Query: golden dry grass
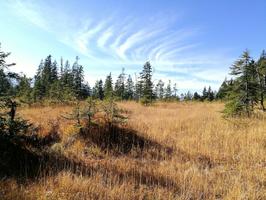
{"x":211,"y":157}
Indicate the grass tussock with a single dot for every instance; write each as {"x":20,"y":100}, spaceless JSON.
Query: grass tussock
{"x":165,"y":151}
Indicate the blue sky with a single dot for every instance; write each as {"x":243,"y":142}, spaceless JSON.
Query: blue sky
{"x":190,"y":42}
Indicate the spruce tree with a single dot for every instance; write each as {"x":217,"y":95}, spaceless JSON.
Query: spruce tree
{"x":160,"y":90}
{"x":108,"y":87}
{"x":24,"y":90}
{"x":120,"y":85}
{"x":97,"y":91}
{"x":39,"y":88}
{"x":129,"y":89}
{"x":6,"y":87}
{"x":261,"y":70}
{"x":204,"y":94}
{"x":210,"y":94}
{"x":147,"y":85}
{"x":78,"y":78}
{"x":243,"y":95}
{"x":168,"y":91}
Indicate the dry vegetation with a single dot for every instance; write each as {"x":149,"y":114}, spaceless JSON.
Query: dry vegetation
{"x":178,"y":151}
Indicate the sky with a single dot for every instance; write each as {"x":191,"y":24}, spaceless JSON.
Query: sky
{"x":190,"y":42}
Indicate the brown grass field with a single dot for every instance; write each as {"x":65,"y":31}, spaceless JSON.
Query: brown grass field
{"x":179,"y":151}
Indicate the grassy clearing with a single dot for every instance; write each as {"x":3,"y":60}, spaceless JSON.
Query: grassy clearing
{"x":166,"y":151}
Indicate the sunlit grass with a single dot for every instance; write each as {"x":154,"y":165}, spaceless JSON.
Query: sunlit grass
{"x":211,"y":157}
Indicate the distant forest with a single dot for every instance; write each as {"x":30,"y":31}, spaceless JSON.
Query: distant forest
{"x":62,"y":82}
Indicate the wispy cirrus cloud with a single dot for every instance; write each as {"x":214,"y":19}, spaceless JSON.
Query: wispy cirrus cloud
{"x":128,"y":41}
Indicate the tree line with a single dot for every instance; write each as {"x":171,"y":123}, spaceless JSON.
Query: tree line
{"x":57,"y":82}
{"x":63,"y":82}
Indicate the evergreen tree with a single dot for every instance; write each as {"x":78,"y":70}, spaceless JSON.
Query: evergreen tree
{"x":108,"y":86}
{"x":261,"y":70}
{"x":210,"y":94}
{"x":204,"y":94}
{"x":243,"y":95}
{"x":120,"y":85}
{"x":160,"y":90}
{"x":138,"y":89}
{"x":188,"y":96}
{"x":47,"y":77}
{"x":6,"y":87}
{"x":78,"y":78}
{"x":168,"y":91}
{"x":147,"y":85}
{"x":129,"y":89}
{"x":175,"y":91}
{"x":39,"y":88}
{"x":196,"y":96}
{"x":98,"y":91}
{"x":24,"y":90}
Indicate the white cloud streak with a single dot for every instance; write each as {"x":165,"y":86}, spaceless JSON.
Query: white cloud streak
{"x":129,"y":42}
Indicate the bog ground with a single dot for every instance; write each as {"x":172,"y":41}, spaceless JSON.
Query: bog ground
{"x":166,"y":151}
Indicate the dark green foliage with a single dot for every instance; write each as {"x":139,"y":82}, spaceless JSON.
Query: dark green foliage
{"x":204,"y":94}
{"x":6,"y":78}
{"x":24,"y":90}
{"x":120,"y":90}
{"x":68,"y":86}
{"x":210,"y":94}
{"x":196,"y":97}
{"x":146,"y":84}
{"x":261,"y":73}
{"x":244,"y":92}
{"x":97,"y":91}
{"x":129,"y":89}
{"x":168,"y":91}
{"x":108,"y":87}
{"x":10,"y":125}
{"x":226,"y":86}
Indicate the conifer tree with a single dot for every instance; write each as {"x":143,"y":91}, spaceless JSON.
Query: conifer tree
{"x":196,"y":96}
{"x":129,"y":89}
{"x":147,"y":85}
{"x":98,"y":92}
{"x":168,"y":91}
{"x":39,"y":88}
{"x":120,"y":85}
{"x":210,"y":94}
{"x":78,"y":78}
{"x":204,"y":93}
{"x":261,"y":70}
{"x":160,"y":90}
{"x":108,"y":86}
{"x":175,"y":91}
{"x":138,"y":88}
{"x":243,"y":95}
{"x":24,"y":90}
